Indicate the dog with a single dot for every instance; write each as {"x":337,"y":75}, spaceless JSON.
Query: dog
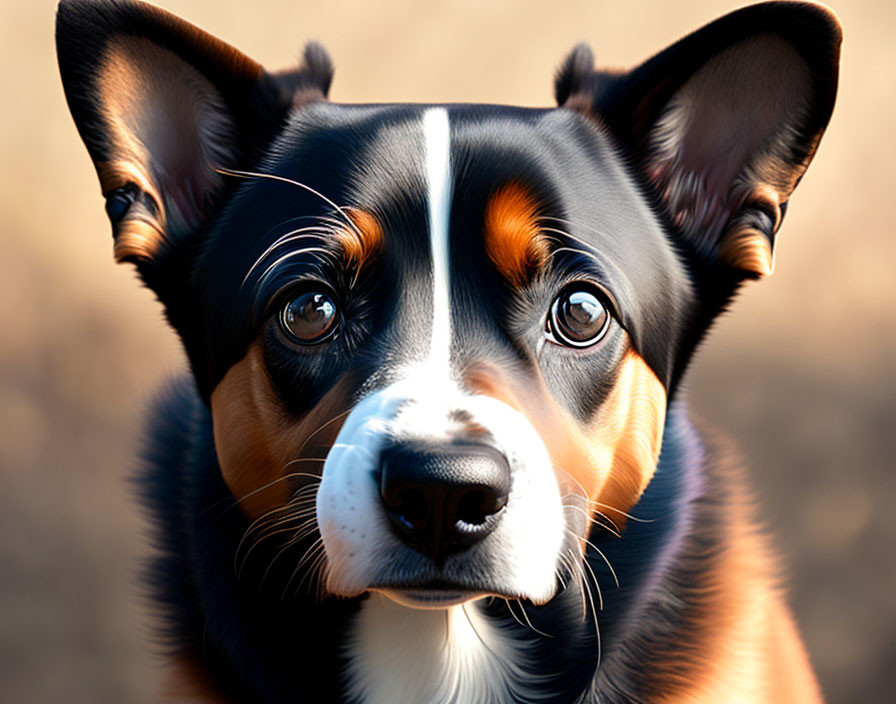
{"x":433,"y":446}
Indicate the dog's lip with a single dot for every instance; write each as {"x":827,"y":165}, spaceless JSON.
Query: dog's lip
{"x":430,"y":598}
{"x":431,"y":594}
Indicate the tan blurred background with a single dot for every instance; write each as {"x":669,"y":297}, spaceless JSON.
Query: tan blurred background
{"x":801,"y":374}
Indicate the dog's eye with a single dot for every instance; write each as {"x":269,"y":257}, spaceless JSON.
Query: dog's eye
{"x":310,"y":317}
{"x":578,"y":318}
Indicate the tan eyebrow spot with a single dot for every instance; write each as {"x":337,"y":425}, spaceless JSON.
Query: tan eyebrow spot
{"x":361,"y":242}
{"x":513,"y":239}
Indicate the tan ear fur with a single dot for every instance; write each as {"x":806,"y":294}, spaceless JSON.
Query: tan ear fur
{"x":168,"y":130}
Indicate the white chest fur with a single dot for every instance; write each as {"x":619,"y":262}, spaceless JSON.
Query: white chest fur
{"x":400,"y":655}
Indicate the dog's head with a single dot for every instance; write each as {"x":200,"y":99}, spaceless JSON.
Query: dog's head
{"x":447,"y":335}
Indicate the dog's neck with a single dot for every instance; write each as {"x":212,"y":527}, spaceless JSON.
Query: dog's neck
{"x":446,"y":655}
{"x":373,"y":650}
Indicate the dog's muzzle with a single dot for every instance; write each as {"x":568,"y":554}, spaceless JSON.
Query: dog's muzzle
{"x":415,"y":501}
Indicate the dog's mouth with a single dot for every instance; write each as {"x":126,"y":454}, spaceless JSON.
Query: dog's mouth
{"x":434,"y":594}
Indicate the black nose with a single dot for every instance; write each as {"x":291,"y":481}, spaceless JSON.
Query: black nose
{"x":445,"y":498}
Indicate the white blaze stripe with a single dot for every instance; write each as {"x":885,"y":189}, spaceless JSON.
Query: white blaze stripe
{"x":437,"y":141}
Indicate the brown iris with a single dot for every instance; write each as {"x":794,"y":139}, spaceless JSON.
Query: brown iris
{"x":310,"y":317}
{"x":578,"y":318}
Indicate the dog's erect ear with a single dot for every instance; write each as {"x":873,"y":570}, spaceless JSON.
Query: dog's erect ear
{"x":161,"y":106}
{"x":723,"y":123}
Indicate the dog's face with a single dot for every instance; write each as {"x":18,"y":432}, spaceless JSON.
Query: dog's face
{"x":444,"y":337}
{"x":451,"y":338}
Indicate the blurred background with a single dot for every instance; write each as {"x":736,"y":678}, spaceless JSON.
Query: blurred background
{"x":800,"y":374}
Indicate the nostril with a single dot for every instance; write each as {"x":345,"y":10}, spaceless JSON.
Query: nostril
{"x":478,"y":505}
{"x":471,"y":508}
{"x":412,"y":507}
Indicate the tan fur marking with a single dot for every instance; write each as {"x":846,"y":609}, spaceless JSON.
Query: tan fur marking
{"x":258,"y":444}
{"x":744,"y":247}
{"x":612,"y":459}
{"x":188,"y":681}
{"x":745,"y":649}
{"x":513,"y":239}
{"x":628,"y":433}
{"x":138,"y":236}
{"x":749,"y":250}
{"x":166,"y":126}
{"x":360,"y":243}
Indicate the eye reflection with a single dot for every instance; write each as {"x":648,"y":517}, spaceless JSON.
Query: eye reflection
{"x":578,"y":318}
{"x":310,"y":318}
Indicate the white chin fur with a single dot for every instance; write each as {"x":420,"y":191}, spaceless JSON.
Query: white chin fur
{"x":411,"y":656}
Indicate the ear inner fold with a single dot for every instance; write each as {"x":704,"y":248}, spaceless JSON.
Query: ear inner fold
{"x":168,"y":130}
{"x":721,"y":149}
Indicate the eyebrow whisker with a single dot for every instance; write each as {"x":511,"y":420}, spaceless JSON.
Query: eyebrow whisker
{"x":572,"y":237}
{"x":576,"y":251}
{"x":304,"y":233}
{"x":273,"y":177}
{"x":289,"y":255}
{"x":294,"y":236}
{"x":567,"y":221}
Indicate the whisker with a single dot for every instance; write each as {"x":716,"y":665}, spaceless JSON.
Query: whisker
{"x":600,"y":596}
{"x":515,"y":617}
{"x":584,"y":497}
{"x":310,"y":553}
{"x":234,"y":502}
{"x":303,"y":233}
{"x":264,"y":531}
{"x":558,"y":572}
{"x":283,"y":179}
{"x":311,"y":572}
{"x":604,"y":557}
{"x":285,"y":477}
{"x":323,"y":219}
{"x":294,"y":253}
{"x":261,"y":528}
{"x":526,"y":616}
{"x":587,"y":590}
{"x":594,"y":519}
{"x":621,"y":512}
{"x":325,"y":425}
{"x":303,"y":531}
{"x":572,"y":237}
{"x":591,"y":256}
{"x":473,"y":626}
{"x":286,"y":546}
{"x":567,"y":221}
{"x":578,"y":574}
{"x":594,"y":503}
{"x":304,"y":474}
